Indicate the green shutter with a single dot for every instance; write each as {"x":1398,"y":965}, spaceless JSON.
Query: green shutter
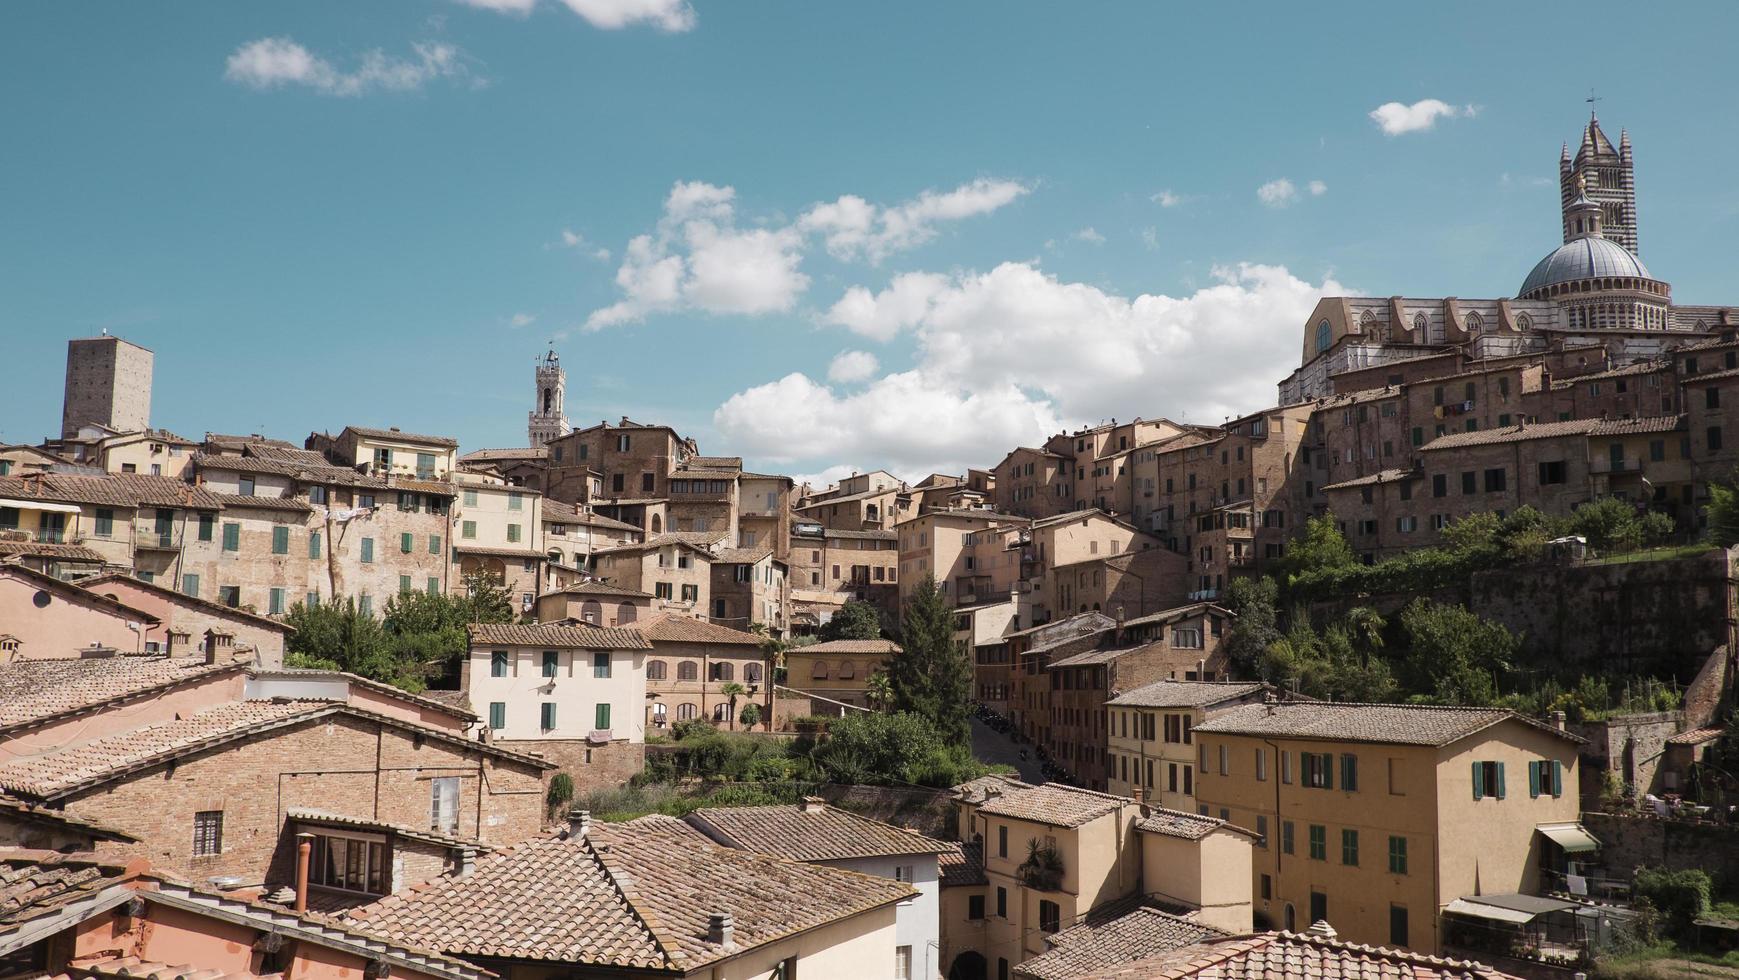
{"x":206,"y":522}
{"x":1500,"y":781}
{"x":434,"y":585}
{"x":434,"y":544}
{"x":602,"y":717}
{"x":1557,"y":778}
{"x":497,"y":714}
{"x":280,"y":540}
{"x":190,"y":585}
{"x":232,"y":537}
{"x":404,"y":584}
{"x":277,"y":602}
{"x":406,"y":542}
{"x":1478,"y":781}
{"x":1328,"y":770}
{"x":549,"y":716}
{"x":368,"y":549}
{"x":313,"y":544}
{"x":1533,"y":780}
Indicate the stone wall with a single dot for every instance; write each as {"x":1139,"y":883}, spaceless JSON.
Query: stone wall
{"x":592,"y":767}
{"x":1628,"y":841}
{"x":1631,"y":746}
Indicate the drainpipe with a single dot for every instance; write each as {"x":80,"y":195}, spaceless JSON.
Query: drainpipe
{"x":304,"y":852}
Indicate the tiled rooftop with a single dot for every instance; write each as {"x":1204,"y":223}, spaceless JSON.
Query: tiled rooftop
{"x":855,"y":647}
{"x":1646,"y":425}
{"x":672,"y":627}
{"x":1512,"y":433}
{"x":975,"y":790}
{"x":604,"y":589}
{"x":810,"y":832}
{"x":114,"y":489}
{"x":1184,"y":694}
{"x":1115,"y":935}
{"x":633,"y":895}
{"x":179,"y":598}
{"x":558,"y":635}
{"x":31,"y":690}
{"x":397,"y":436}
{"x":1177,"y":823}
{"x":1372,"y":479}
{"x":962,"y":864}
{"x":1275,"y":955}
{"x":1396,"y":724}
{"x":1053,"y":804}
{"x":34,"y":884}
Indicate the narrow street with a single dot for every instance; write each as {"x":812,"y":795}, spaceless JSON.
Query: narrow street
{"x":991,"y":746}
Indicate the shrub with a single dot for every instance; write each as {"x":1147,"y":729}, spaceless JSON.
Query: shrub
{"x":1679,"y":896}
{"x":561,"y":792}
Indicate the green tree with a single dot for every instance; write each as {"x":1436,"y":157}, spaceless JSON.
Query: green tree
{"x":878,"y":690}
{"x":854,"y":621}
{"x":733,"y":691}
{"x":1453,"y":655}
{"x":561,"y":793}
{"x":338,"y":634}
{"x":1253,"y":604}
{"x":1365,"y":626}
{"x":750,"y":716}
{"x":1320,"y":548}
{"x":931,"y":678}
{"x":1724,"y":513}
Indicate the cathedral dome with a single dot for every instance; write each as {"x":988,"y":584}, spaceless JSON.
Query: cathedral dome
{"x":1591,"y":257}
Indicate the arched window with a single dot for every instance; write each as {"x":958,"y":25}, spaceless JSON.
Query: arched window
{"x":721,"y":711}
{"x":1475,"y":322}
{"x":1368,"y":324}
{"x":1524,"y":322}
{"x":751,"y":673}
{"x":723,"y":672}
{"x":1420,"y":323}
{"x":655,"y":670}
{"x":657,"y":524}
{"x":625,"y":613}
{"x":1324,"y":335}
{"x":847,"y":670}
{"x":660,"y":714}
{"x":592,"y":612}
{"x":819,"y":672}
{"x":685,"y":712}
{"x":687,"y":671}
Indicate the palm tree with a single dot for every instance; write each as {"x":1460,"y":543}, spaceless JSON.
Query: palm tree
{"x":880,"y":691}
{"x":733,"y":690}
{"x":1366,"y":626}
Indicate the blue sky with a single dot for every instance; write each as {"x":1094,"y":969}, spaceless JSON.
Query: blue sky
{"x":895,"y":234}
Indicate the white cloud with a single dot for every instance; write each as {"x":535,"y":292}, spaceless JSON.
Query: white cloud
{"x":827,"y":477}
{"x":1167,"y":199}
{"x":699,"y":258}
{"x":854,"y":228}
{"x":1318,"y":188}
{"x":274,"y":62}
{"x":573,"y":239}
{"x":1396,"y":118}
{"x":521,"y":320}
{"x":610,"y":15}
{"x":1089,"y":235}
{"x":1008,"y":357}
{"x":1277,"y":193}
{"x":1150,"y":237}
{"x":850,"y":366}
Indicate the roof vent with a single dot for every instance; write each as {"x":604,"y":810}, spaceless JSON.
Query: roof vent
{"x":813,"y":804}
{"x":1322,"y":929}
{"x":579,"y":823}
{"x":721,"y":928}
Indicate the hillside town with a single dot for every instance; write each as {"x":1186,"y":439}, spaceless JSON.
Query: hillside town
{"x":1150,"y":698}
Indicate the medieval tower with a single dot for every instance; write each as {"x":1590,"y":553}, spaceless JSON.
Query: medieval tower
{"x":1606,"y":171}
{"x":546,"y":419}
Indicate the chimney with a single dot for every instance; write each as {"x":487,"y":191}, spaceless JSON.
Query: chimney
{"x":1201,"y":670}
{"x":1321,"y":929}
{"x":813,"y":804}
{"x":304,"y":850}
{"x":721,"y":928}
{"x":467,"y":862}
{"x":210,"y":649}
{"x":1558,"y":720}
{"x":579,"y":823}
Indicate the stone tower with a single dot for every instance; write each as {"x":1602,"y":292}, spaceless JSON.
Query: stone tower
{"x":1610,"y":180}
{"x":547,"y":421}
{"x":108,"y":381}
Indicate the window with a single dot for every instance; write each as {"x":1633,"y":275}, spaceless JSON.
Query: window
{"x":551,"y":662}
{"x":1494,"y":480}
{"x":275,"y":602}
{"x":1002,"y":843}
{"x":1488,"y":780}
{"x":1286,"y":837}
{"x":601,"y":666}
{"x":1469,"y":482}
{"x":470,"y":498}
{"x":515,"y":501}
{"x":497,"y":715}
{"x":232,"y":537}
{"x":1323,"y":336}
{"x":1714,"y":437}
{"x":467,"y":529}
{"x":1286,"y":767}
{"x":1349,"y":848}
{"x":687,"y":670}
{"x":245,"y":487}
{"x":1318,"y":907}
{"x":1225,"y":760}
{"x":365,"y":604}
{"x":975,"y":907}
{"x":444,"y":802}
{"x":547,"y":719}
{"x":351,"y":863}
{"x":1001,"y":902}
{"x":1397,"y":855}
{"x":1711,"y":397}
{"x":1398,"y":926}
{"x":1545,"y":778}
{"x":207,"y":833}
{"x":1349,"y":772}
{"x":601,"y":717}
{"x":498,"y":661}
{"x":1261,"y":764}
{"x":661,"y":590}
{"x":513,"y":534}
{"x":367,"y":547}
{"x":1261,"y":831}
{"x":1318,"y":842}
{"x":902,"y":963}
{"x":1318,"y":769}
{"x":105,"y":522}
{"x":691,"y":593}
{"x":404,"y":584}
{"x":230,"y":595}
{"x":1050,"y":916}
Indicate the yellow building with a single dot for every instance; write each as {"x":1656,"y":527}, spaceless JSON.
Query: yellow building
{"x":1056,"y":857}
{"x":1375,"y":817}
{"x":838,"y":669}
{"x":1149,"y":738}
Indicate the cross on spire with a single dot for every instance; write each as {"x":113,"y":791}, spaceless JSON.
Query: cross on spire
{"x":1592,"y":98}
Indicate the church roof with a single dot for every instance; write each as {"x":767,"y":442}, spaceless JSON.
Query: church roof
{"x":1584,"y":258}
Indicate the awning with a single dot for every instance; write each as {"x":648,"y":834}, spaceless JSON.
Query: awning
{"x":1462,"y":906}
{"x":49,"y":506}
{"x":1572,"y":837}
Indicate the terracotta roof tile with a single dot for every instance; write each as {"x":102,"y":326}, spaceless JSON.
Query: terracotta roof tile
{"x":856,"y":647}
{"x":114,"y":489}
{"x":1271,"y":955}
{"x":1639,"y":426}
{"x":34,"y":884}
{"x":396,"y":435}
{"x":1185,"y":694}
{"x":672,"y":627}
{"x":976,"y":790}
{"x":962,"y":865}
{"x":1696,"y":736}
{"x":558,"y":635}
{"x":802,"y":833}
{"x":1372,"y":479}
{"x":1177,"y":823}
{"x":176,"y":597}
{"x":1054,"y":804}
{"x":1512,"y":433}
{"x":59,"y":552}
{"x":633,"y":895}
{"x":603,"y":588}
{"x":1116,"y":935}
{"x":494,"y":455}
{"x":1395,"y":724}
{"x":34,"y":690}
